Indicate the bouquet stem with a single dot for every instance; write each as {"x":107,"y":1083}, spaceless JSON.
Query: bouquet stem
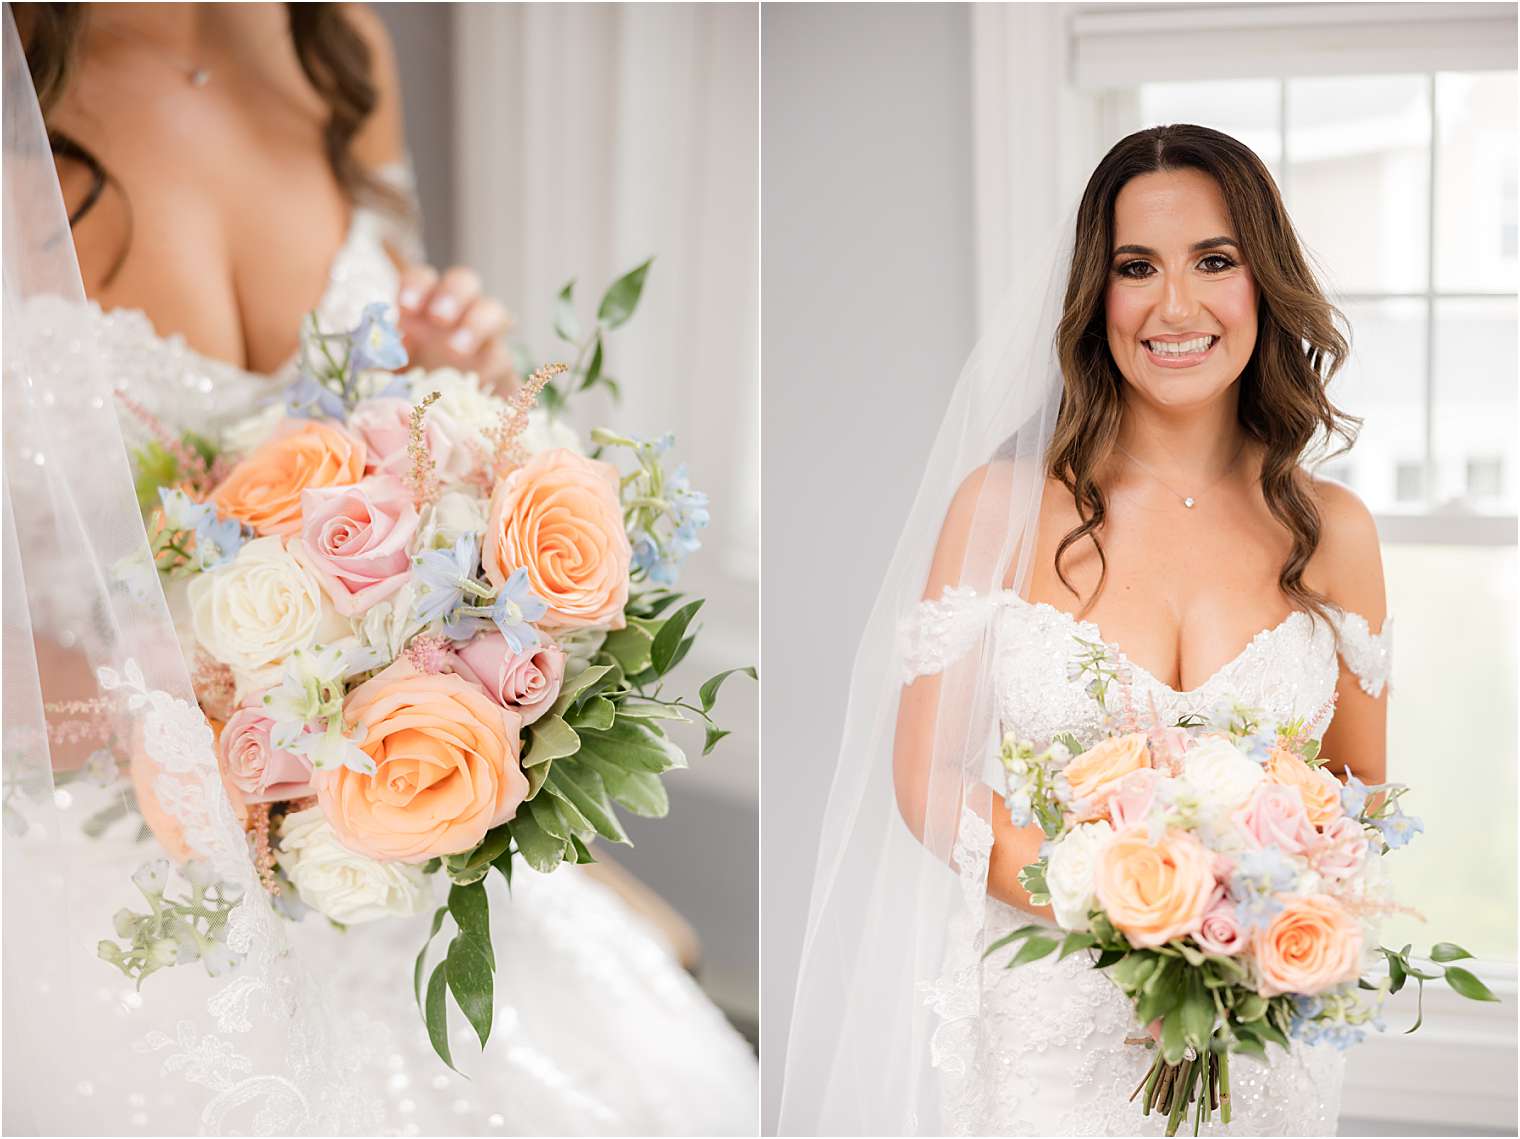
{"x":1170,"y":1089}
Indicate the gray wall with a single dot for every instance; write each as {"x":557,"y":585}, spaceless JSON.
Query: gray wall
{"x":867,"y":315}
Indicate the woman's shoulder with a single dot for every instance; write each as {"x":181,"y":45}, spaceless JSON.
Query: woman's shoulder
{"x":1347,"y":566}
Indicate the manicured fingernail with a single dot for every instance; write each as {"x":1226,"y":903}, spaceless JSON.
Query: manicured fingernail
{"x":445,"y":308}
{"x":462,"y":341}
{"x":410,"y":298}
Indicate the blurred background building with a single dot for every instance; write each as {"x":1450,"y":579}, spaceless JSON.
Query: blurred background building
{"x":555,"y":142}
{"x":912,"y":152}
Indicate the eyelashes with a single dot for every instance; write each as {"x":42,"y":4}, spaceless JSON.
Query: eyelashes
{"x":1211,"y":263}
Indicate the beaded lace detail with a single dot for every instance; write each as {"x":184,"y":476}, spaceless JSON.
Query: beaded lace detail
{"x":1039,"y":1050}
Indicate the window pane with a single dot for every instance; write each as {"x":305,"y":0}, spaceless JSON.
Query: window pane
{"x":1384,"y":382}
{"x":1246,"y":109}
{"x":1475,"y":379}
{"x":1451,"y":718}
{"x":1359,"y":178}
{"x":1477,"y":245}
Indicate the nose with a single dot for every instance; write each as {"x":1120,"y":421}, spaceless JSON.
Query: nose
{"x":1176,"y":298}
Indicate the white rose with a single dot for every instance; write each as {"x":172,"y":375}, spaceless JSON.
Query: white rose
{"x":387,"y":625}
{"x":259,"y":608}
{"x":579,"y":646}
{"x":545,"y":433}
{"x":1069,"y":873}
{"x":345,"y":886}
{"x":1221,"y":777}
{"x":456,"y":512}
{"x":460,"y":398}
{"x":243,"y":436}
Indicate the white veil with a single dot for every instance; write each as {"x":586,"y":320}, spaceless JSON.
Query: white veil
{"x":99,"y":713}
{"x":889,"y":989}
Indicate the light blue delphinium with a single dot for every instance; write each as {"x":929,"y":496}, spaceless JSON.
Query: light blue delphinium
{"x":446,"y":576}
{"x":308,"y":398}
{"x":181,"y":512}
{"x":514,"y":610}
{"x":375,"y":343}
{"x":1259,"y":875}
{"x":217,"y":542}
{"x":1397,"y":828}
{"x":1354,"y":795}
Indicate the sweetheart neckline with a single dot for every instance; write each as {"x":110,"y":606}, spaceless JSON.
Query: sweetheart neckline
{"x":1259,"y":637}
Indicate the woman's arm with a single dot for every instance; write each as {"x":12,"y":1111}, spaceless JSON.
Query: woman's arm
{"x":1349,"y":571}
{"x":922,"y":722}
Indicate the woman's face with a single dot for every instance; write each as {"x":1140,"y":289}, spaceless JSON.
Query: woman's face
{"x":1181,"y":303}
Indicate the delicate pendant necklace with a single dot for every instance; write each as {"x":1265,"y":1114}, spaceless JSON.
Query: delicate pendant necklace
{"x":1187,"y":500}
{"x":195,"y":75}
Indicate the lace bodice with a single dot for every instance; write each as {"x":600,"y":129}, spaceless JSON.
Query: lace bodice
{"x":1039,"y":1050}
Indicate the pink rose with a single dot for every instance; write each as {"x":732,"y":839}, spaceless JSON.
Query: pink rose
{"x":1129,"y":803}
{"x":1220,"y":932}
{"x":354,"y":538}
{"x":385,"y":425}
{"x":261,"y":771}
{"x":527,"y":682}
{"x":1342,"y":849}
{"x":1275,"y":816}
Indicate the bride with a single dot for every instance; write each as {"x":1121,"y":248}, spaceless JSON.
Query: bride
{"x":225,"y":169}
{"x":1122,"y":470}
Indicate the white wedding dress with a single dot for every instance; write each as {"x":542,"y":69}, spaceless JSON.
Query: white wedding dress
{"x":1040,"y":1050}
{"x":597,"y":1029}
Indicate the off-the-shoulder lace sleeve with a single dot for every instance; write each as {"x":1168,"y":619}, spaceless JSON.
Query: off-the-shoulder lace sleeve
{"x":935,"y":634}
{"x":1367,"y":654}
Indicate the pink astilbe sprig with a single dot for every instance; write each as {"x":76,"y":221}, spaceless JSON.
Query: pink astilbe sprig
{"x":263,"y":854}
{"x":422,"y":477}
{"x":428,"y":653}
{"x":1167,"y":743}
{"x":191,"y":464}
{"x":503,"y":437}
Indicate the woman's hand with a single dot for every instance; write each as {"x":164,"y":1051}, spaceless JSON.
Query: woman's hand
{"x":446,"y":323}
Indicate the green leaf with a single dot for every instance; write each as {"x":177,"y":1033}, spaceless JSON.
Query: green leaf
{"x":1033,"y":949}
{"x":629,"y":646}
{"x":712,"y":738}
{"x":639,"y":791}
{"x":472,"y":914}
{"x":622,"y":296}
{"x":707,"y":695}
{"x":652,"y":602}
{"x":1444,"y":951}
{"x":1250,"y":1046}
{"x":1009,"y":938}
{"x":582,"y":852}
{"x":544,"y":814}
{"x":541,"y":850}
{"x":1396,"y":973}
{"x":1251,"y":1007}
{"x":1134,"y":970}
{"x":1108,"y":957}
{"x":596,"y":713}
{"x":1075,"y":941}
{"x":631,"y":746}
{"x":504,"y":864}
{"x":594,"y":369}
{"x":1173,"y":1045}
{"x":1467,"y":985}
{"x":582,"y":681}
{"x":1270,"y":1032}
{"x":1419,"y":1007}
{"x":472,"y":865}
{"x":422,"y":956}
{"x":469,"y":975}
{"x":1197,"y":1014}
{"x":662,"y":654}
{"x":567,"y":325}
{"x":549,"y":737}
{"x":583,"y":789}
{"x":536,"y":777}
{"x":436,"y":1014}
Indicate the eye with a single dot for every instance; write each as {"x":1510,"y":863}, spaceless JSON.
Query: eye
{"x":1135,"y":270}
{"x":1216,"y":263}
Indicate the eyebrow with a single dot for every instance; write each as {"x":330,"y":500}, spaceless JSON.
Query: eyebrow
{"x":1197,"y":247}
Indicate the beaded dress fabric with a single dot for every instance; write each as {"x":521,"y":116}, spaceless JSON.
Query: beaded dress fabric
{"x":597,"y":1027}
{"x":1040,"y":1050}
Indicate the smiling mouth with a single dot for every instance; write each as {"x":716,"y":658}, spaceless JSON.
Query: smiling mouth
{"x":1182,"y":348}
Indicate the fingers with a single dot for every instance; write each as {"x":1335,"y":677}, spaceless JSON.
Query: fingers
{"x":453,"y":295}
{"x":417,"y":283}
{"x":483,"y":323}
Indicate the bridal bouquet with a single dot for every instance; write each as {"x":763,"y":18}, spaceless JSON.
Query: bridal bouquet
{"x":430,"y":631}
{"x":1223,"y":879}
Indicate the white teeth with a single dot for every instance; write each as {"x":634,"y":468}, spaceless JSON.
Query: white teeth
{"x":1184,"y":348}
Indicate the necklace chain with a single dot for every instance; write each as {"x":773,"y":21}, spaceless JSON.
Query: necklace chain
{"x":197,"y":75}
{"x":1187,"y":500}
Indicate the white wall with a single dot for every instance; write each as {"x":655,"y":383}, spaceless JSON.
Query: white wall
{"x":868,"y":303}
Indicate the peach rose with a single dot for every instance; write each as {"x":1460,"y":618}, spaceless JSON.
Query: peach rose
{"x":1153,"y":892}
{"x":446,"y":759}
{"x":1099,"y":770}
{"x":1319,"y":789}
{"x":1275,"y":816}
{"x":264,"y":490}
{"x":559,"y":516}
{"x":527,"y":682}
{"x":1310,"y":946}
{"x":144,"y":771}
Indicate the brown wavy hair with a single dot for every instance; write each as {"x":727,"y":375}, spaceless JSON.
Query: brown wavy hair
{"x":1282,"y":402}
{"x":333,"y":56}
